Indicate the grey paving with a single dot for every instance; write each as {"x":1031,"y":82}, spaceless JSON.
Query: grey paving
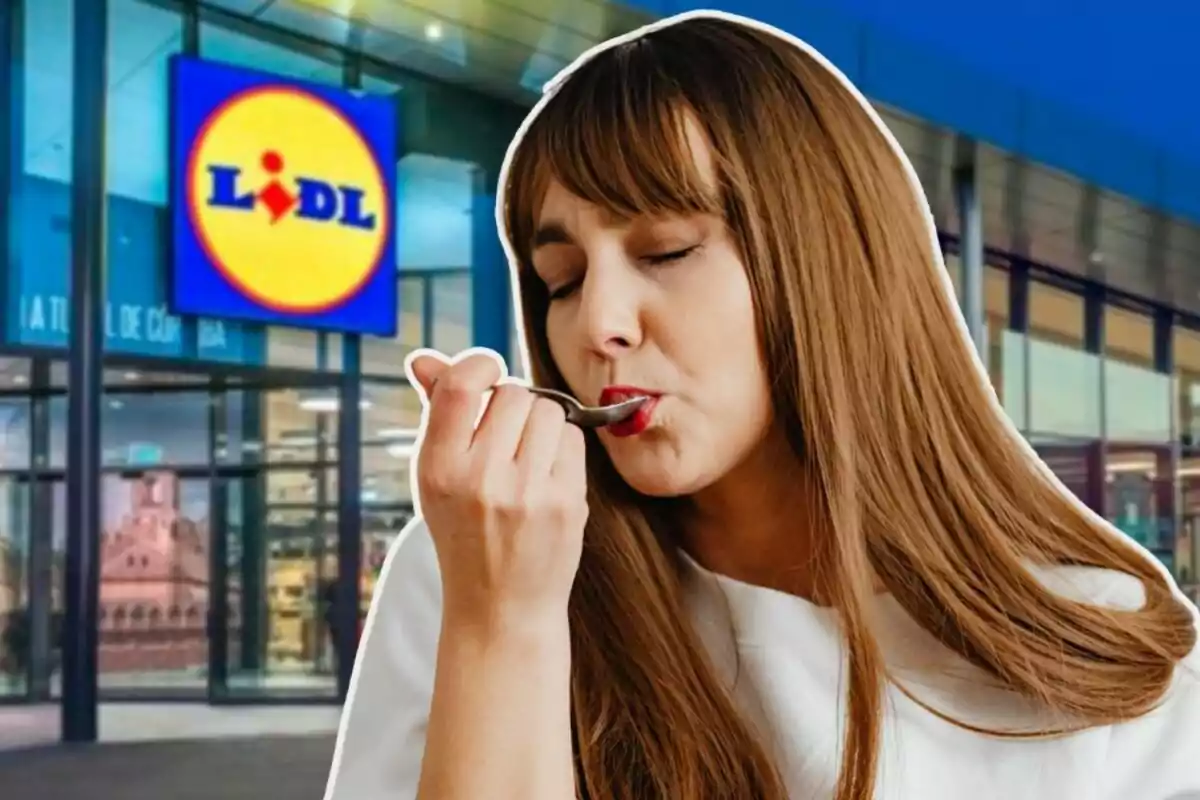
{"x":263,"y":768}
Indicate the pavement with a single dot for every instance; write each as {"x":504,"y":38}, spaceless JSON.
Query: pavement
{"x":262,"y":767}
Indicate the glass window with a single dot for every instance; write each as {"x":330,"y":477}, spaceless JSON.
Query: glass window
{"x":300,"y":425}
{"x":1063,"y":421}
{"x":141,"y":428}
{"x":389,"y":434}
{"x":452,"y":312}
{"x":1064,"y":380}
{"x":15,"y":414}
{"x":386,"y":356}
{"x":1005,"y":348}
{"x":954,"y":268}
{"x":1186,"y":346}
{"x":15,"y":625}
{"x":37,"y":281}
{"x":1139,"y":479}
{"x":434,"y":199}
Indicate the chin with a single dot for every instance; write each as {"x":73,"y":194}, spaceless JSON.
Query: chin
{"x":659,"y":477}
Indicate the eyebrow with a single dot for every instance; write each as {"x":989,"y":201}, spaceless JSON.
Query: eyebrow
{"x":551,"y":233}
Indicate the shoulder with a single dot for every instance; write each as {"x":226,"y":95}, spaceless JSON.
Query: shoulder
{"x":382,"y":734}
{"x":1156,"y":756}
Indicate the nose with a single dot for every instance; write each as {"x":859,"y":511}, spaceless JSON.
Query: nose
{"x":610,"y":310}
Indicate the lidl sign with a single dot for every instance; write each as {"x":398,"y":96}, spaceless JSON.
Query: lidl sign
{"x":283,"y":201}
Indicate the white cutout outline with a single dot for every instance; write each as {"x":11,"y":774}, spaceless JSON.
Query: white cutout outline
{"x":549,"y":90}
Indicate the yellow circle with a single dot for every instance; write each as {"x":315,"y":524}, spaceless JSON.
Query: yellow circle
{"x":290,"y":263}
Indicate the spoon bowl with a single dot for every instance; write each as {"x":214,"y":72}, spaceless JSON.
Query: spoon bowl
{"x":591,"y":416}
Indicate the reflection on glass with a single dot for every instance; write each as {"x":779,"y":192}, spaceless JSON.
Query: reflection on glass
{"x":143,"y":429}
{"x":380,"y":529}
{"x":1186,"y":347}
{"x":291,"y":426}
{"x":281,"y":539}
{"x":154,"y":582}
{"x":1139,"y":479}
{"x":954,"y":269}
{"x":1063,"y":418}
{"x":452,"y":312}
{"x":14,"y":432}
{"x":233,"y":47}
{"x":389,"y":430}
{"x":15,"y":627}
{"x":995,"y":309}
{"x":300,"y":425}
{"x":385,"y":357}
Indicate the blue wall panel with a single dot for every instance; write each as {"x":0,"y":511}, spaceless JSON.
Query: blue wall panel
{"x":911,"y":78}
{"x":1181,"y":188}
{"x":1096,"y":88}
{"x":1086,"y":148}
{"x":137,"y":320}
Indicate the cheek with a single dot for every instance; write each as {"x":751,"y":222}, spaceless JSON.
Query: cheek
{"x":724,"y":342}
{"x":719,"y":318}
{"x":562,"y":352}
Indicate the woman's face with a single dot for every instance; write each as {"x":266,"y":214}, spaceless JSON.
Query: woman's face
{"x":662,"y":305}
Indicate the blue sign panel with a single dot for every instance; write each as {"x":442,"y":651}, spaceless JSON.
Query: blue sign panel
{"x":283,"y":201}
{"x":137,"y":318}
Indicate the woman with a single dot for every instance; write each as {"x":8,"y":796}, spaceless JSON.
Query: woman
{"x":820,"y":562}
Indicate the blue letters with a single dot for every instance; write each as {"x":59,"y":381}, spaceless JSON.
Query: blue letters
{"x":225,"y":189}
{"x":315,"y":200}
{"x":318,"y":200}
{"x":352,"y":210}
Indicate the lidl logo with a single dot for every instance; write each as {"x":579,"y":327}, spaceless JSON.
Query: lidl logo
{"x":284,"y":201}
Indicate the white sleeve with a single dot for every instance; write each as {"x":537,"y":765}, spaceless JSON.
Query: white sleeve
{"x":381,"y":738}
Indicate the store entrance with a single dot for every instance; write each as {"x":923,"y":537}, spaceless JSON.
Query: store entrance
{"x":218,"y":542}
{"x":272,"y":596}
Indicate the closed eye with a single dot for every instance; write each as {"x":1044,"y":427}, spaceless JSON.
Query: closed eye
{"x":674,"y":255}
{"x":656,"y":259}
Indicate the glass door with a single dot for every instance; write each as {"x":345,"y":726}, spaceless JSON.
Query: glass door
{"x":275,"y":569}
{"x":154,"y":583}
{"x":16,"y":619}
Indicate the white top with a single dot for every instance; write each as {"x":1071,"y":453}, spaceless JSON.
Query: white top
{"x":791,"y":655}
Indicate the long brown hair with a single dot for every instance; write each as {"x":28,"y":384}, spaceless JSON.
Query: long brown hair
{"x":929,"y":489}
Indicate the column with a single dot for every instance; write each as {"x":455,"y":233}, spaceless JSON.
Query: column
{"x":491,"y":297}
{"x":349,"y":480}
{"x":82,"y":590}
{"x":966,"y":194}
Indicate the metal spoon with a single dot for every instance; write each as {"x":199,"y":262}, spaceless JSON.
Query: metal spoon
{"x":591,"y":416}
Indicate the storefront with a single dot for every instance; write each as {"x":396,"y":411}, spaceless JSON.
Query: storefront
{"x":252,"y":474}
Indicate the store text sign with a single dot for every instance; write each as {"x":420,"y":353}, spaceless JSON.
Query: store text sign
{"x":283,"y":201}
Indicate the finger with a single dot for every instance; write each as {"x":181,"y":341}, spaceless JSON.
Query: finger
{"x":570,"y":463}
{"x":499,"y":432}
{"x":539,"y":443}
{"x":424,"y":367}
{"x":455,"y":401}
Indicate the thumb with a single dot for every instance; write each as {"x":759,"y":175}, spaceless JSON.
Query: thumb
{"x":424,"y":367}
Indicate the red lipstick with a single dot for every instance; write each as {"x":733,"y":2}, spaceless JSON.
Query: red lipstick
{"x":640,"y":419}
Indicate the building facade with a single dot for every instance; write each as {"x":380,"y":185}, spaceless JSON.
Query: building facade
{"x":235,"y":512}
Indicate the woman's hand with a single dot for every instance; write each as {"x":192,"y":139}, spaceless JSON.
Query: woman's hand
{"x":505,"y":502}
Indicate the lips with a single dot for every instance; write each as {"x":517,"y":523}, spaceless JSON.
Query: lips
{"x":611,"y":395}
{"x":640,"y":420}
